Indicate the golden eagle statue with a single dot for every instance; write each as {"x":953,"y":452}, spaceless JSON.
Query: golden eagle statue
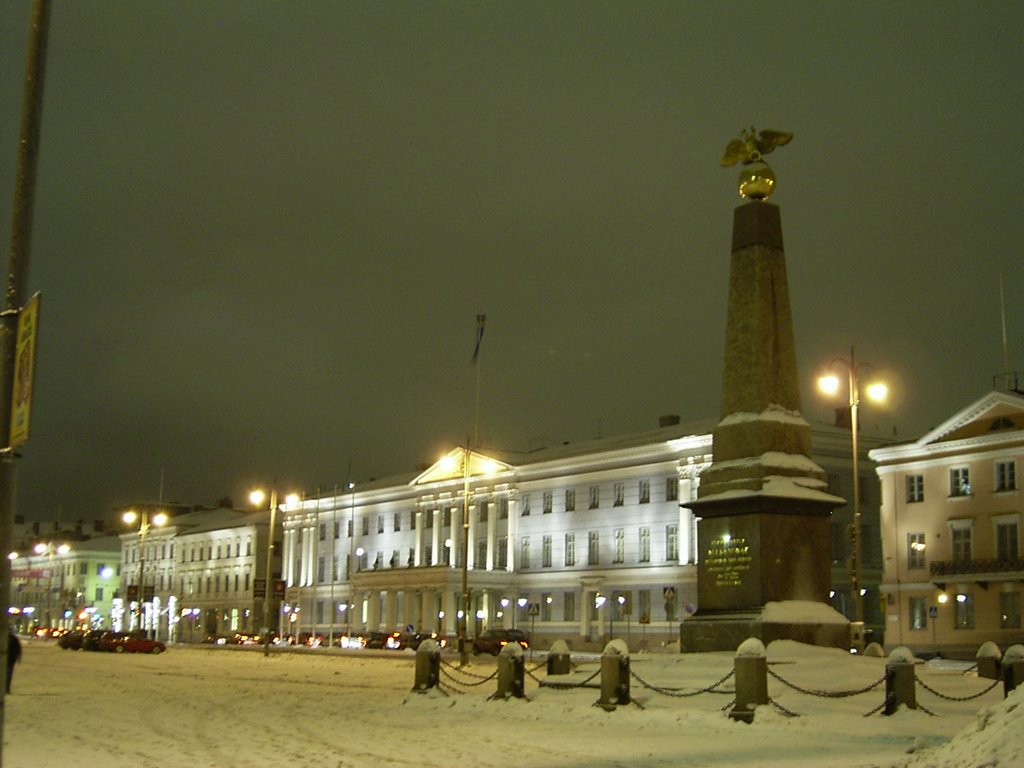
{"x":757,"y":181}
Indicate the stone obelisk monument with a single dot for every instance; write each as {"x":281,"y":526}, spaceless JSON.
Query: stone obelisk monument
{"x":763,"y":506}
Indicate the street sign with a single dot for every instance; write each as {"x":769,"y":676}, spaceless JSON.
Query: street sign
{"x":534,"y":609}
{"x":24,"y":371}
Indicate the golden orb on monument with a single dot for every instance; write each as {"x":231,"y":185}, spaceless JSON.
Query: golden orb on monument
{"x":757,"y":181}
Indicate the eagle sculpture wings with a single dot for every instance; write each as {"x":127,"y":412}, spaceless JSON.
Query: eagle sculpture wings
{"x":752,"y":146}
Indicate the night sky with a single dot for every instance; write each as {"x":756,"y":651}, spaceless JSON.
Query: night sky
{"x":264,"y":229}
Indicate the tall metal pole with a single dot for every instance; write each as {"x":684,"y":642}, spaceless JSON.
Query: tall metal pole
{"x":858,"y":600}
{"x":464,"y":626}
{"x":17,"y":280}
{"x":270,"y":587}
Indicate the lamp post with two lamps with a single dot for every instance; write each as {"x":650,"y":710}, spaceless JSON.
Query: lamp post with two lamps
{"x":877,"y":391}
{"x":256,"y":498}
{"x":131,"y":517}
{"x":51,"y":550}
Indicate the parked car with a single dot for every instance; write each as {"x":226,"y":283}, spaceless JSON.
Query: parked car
{"x":378,"y":640}
{"x":93,"y":639}
{"x":493,"y":640}
{"x":134,"y":642}
{"x":414,"y":640}
{"x":71,"y":641}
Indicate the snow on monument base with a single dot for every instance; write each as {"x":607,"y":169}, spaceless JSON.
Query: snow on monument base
{"x":800,"y":620}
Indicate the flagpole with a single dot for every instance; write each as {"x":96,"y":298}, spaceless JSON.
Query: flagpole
{"x":480,"y":320}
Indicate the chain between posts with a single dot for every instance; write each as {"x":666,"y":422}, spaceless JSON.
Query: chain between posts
{"x":826,"y":694}
{"x":932,"y":691}
{"x":678,"y":692}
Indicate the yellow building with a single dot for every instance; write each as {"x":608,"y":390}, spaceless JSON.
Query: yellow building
{"x":950,"y":518}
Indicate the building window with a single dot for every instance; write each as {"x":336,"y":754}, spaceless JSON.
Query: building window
{"x":620,"y":494}
{"x":320,"y":569}
{"x":915,"y":488}
{"x":545,"y":606}
{"x":380,"y":523}
{"x":961,"y":536}
{"x":481,"y":513}
{"x":595,"y":497}
{"x":960,"y":481}
{"x":672,"y":543}
{"x":323,"y":531}
{"x":919,"y":613}
{"x":644,"y":604}
{"x":526,"y":505}
{"x":524,"y":552}
{"x":503,"y":508}
{"x":915,"y":551}
{"x":337,"y":529}
{"x":1006,"y":540}
{"x":671,"y":489}
{"x":570,"y":549}
{"x":545,"y":551}
{"x":645,"y":545}
{"x":481,"y":553}
{"x":963,"y":612}
{"x":645,"y":491}
{"x":594,"y":548}
{"x":502,"y":553}
{"x":366,"y":526}
{"x":570,"y":500}
{"x":398,"y":521}
{"x":569,"y":607}
{"x":620,"y":546}
{"x":1006,"y":476}
{"x":1009,"y":607}
{"x":548,"y":502}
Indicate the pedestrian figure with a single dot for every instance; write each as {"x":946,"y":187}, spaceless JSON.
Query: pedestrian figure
{"x":13,"y":656}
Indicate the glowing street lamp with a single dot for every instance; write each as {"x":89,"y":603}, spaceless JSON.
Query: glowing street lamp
{"x":131,"y":517}
{"x":877,"y":391}
{"x":50,"y":550}
{"x":256,"y":498}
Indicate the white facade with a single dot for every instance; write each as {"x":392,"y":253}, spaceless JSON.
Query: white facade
{"x":574,"y":542}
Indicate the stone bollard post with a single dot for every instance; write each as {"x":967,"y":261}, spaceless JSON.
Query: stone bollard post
{"x":989,"y":660}
{"x":558,"y":658}
{"x":1013,"y":668}
{"x":614,"y":675}
{"x":751,"y":665}
{"x":428,"y":666}
{"x":899,"y":681}
{"x":511,"y":668}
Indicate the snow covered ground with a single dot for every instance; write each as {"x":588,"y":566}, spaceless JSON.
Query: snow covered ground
{"x":200,"y":707}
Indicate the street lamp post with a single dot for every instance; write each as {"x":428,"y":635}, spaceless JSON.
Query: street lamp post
{"x":50,"y":549}
{"x":130,"y":518}
{"x":256,"y":499}
{"x":876,"y":391}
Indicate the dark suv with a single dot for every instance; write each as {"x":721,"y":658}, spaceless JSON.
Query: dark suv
{"x":493,"y":640}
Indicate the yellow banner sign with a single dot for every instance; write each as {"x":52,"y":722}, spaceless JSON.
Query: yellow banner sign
{"x":24,"y":371}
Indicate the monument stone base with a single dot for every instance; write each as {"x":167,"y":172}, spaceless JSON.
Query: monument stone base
{"x":809,"y":623}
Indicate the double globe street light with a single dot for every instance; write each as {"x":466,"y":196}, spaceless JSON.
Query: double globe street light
{"x":131,"y":517}
{"x":876,"y":391}
{"x":51,"y":550}
{"x":257,"y":498}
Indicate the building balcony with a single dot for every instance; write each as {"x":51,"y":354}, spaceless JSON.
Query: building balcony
{"x":977,"y":570}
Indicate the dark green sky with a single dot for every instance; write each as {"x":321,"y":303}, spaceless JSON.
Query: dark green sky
{"x":264,"y":229}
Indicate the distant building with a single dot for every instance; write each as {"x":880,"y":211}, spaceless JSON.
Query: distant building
{"x":67,"y":584}
{"x":951,"y":519}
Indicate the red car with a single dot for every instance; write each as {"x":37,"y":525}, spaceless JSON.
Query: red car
{"x":135,"y":642}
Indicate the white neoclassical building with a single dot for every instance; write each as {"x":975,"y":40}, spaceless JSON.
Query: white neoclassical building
{"x":576,"y":541}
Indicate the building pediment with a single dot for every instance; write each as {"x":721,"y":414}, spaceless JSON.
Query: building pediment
{"x":460,"y":463}
{"x":995,"y":412}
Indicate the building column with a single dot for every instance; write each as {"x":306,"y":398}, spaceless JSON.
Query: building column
{"x":436,"y":539}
